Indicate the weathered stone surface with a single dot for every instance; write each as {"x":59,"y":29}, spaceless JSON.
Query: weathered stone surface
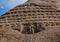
{"x":33,"y":21}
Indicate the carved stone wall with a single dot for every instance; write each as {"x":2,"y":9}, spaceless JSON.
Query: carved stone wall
{"x":17,"y":25}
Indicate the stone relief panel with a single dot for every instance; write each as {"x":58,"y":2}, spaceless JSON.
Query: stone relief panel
{"x":31,"y":28}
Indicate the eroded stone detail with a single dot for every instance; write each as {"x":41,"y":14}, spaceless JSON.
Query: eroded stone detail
{"x":31,"y":22}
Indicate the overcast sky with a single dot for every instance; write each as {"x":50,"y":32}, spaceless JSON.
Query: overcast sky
{"x":6,"y":5}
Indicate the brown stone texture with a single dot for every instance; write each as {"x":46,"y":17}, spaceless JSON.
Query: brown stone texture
{"x":33,"y":21}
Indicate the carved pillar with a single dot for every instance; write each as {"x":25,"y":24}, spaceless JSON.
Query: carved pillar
{"x":32,"y":28}
{"x":22,"y":27}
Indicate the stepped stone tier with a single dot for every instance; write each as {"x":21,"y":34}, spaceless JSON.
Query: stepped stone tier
{"x":33,"y":21}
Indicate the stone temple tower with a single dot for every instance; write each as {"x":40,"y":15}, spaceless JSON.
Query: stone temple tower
{"x":33,"y":21}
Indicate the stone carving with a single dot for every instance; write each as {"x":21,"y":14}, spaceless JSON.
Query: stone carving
{"x":34,"y":21}
{"x":31,"y":28}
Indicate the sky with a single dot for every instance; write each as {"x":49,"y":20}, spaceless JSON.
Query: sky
{"x":6,"y":5}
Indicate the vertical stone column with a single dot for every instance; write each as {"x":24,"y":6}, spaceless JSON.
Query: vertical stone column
{"x":22,"y":27}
